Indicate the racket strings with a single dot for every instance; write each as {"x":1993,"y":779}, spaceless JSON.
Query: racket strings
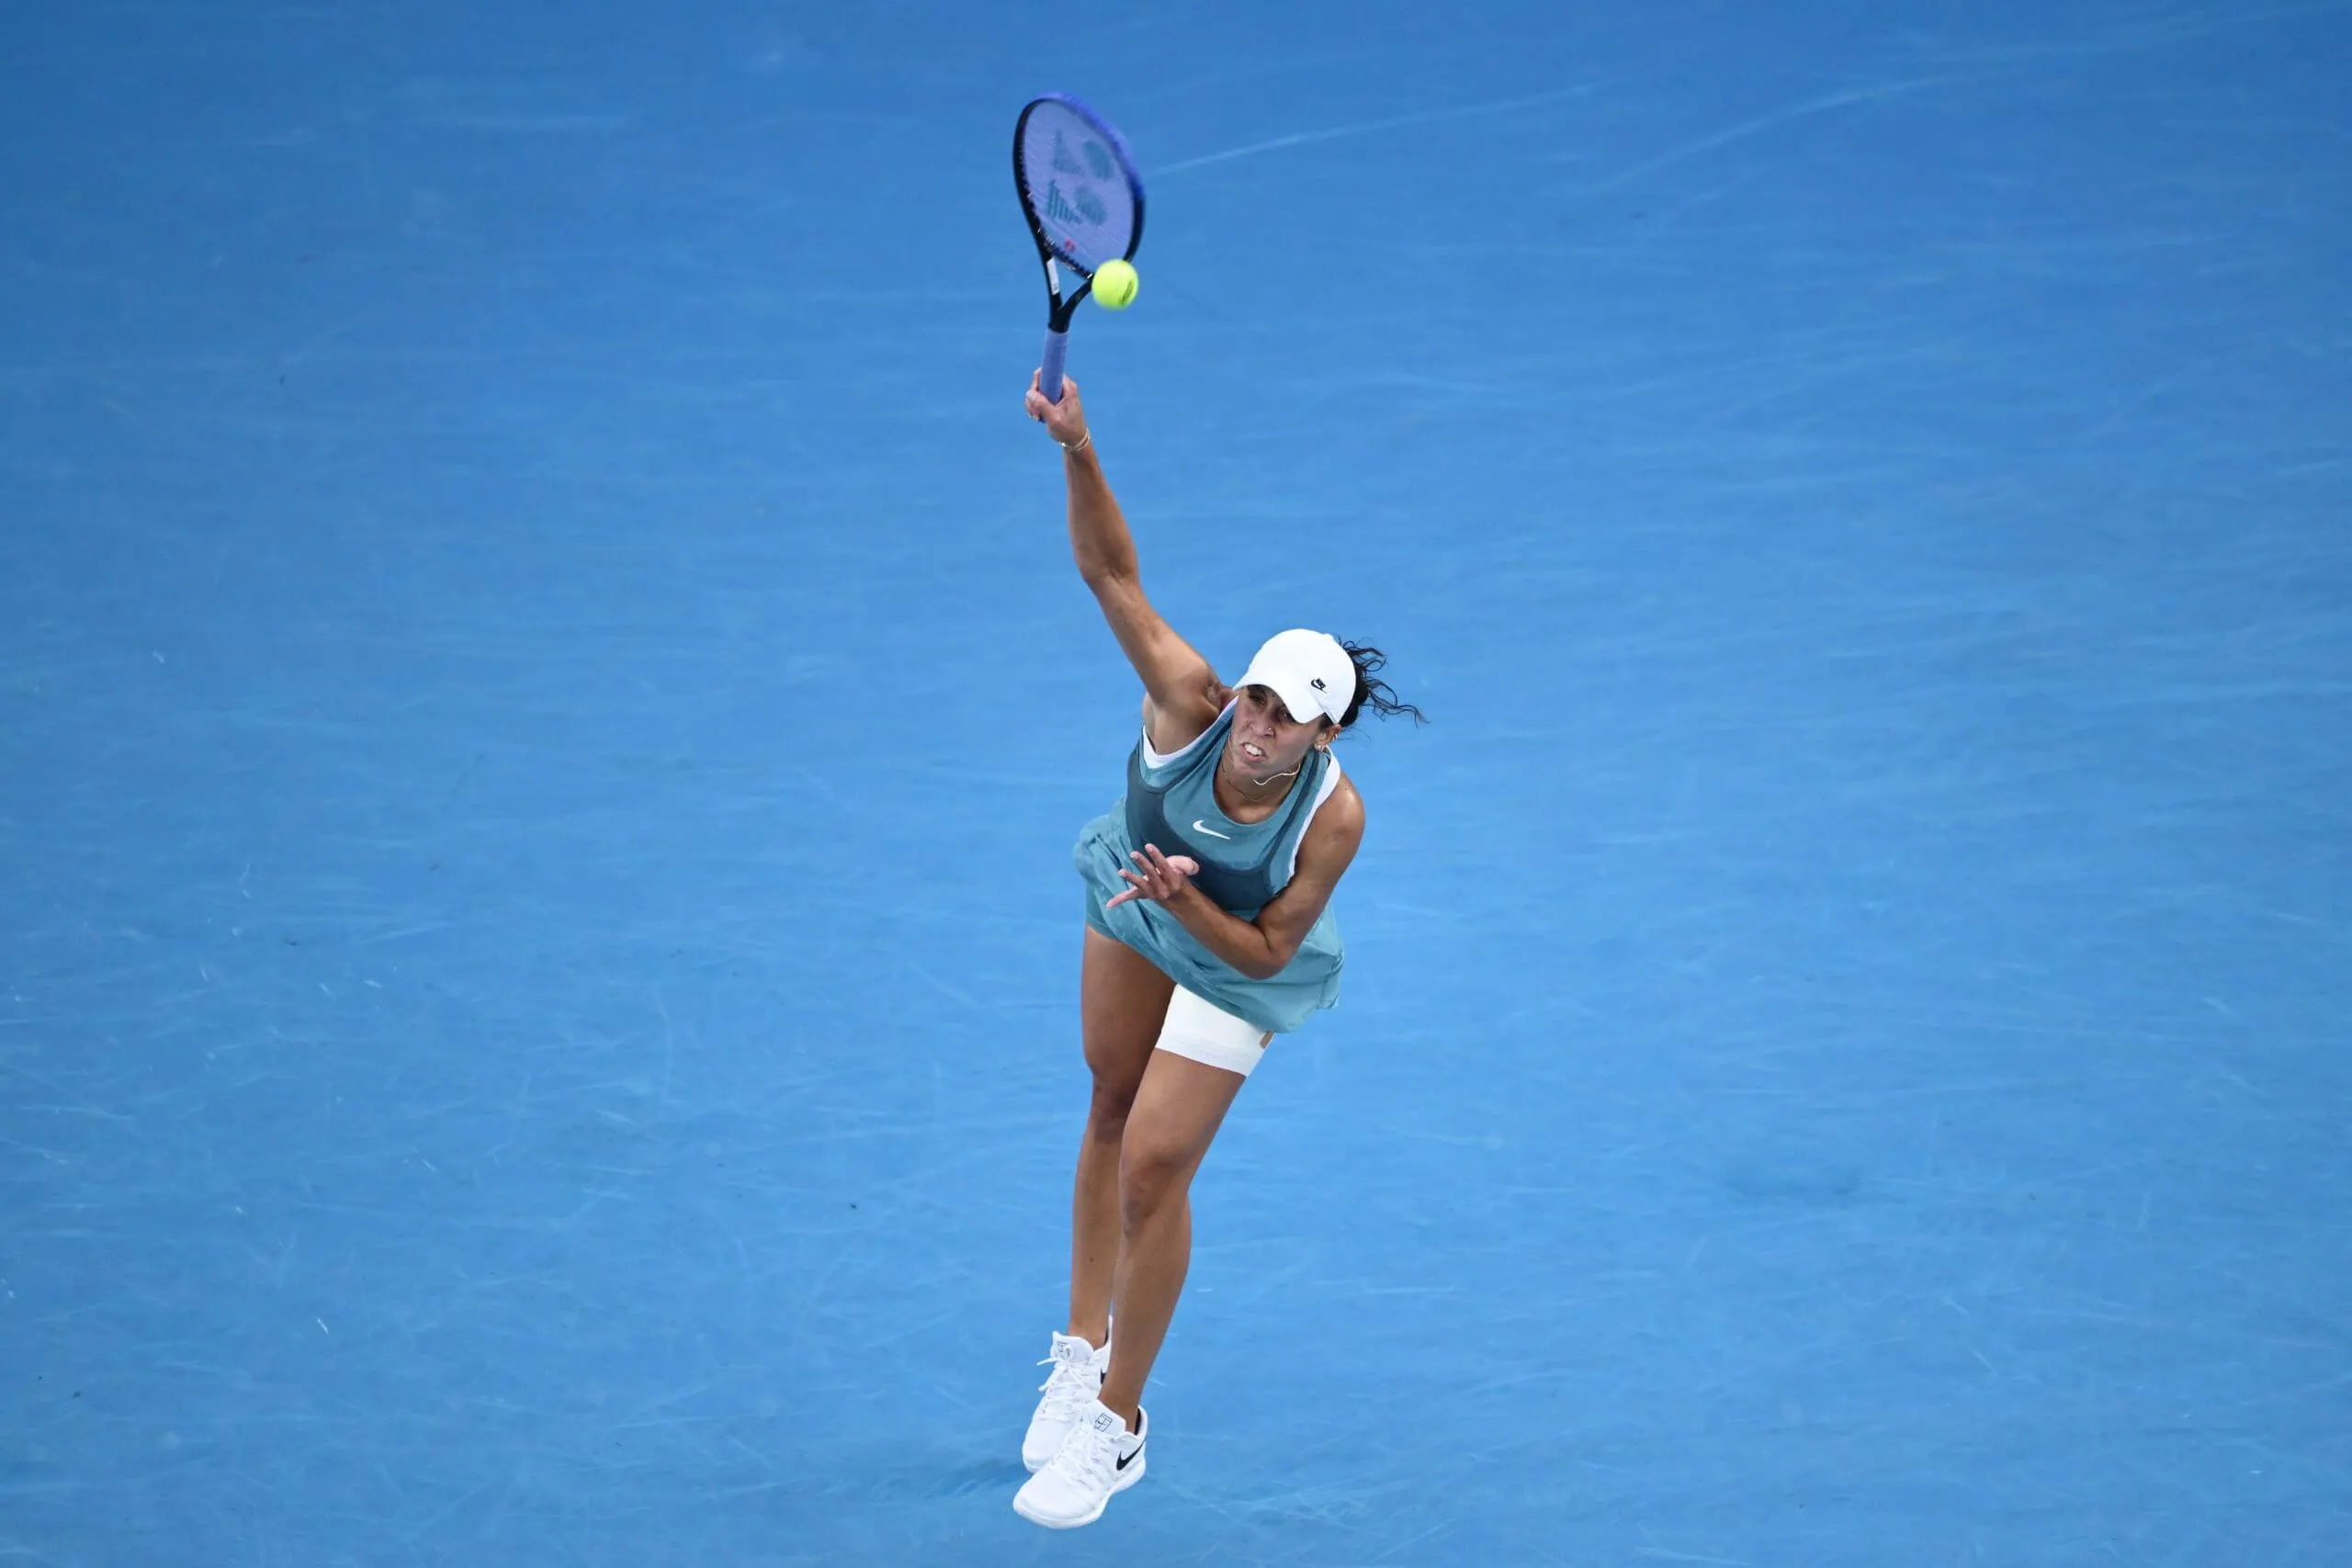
{"x":1080,"y":193}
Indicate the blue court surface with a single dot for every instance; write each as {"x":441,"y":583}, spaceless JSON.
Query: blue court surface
{"x":545,"y":708}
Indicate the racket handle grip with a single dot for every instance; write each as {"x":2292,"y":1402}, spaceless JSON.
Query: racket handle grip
{"x":1049,"y":369}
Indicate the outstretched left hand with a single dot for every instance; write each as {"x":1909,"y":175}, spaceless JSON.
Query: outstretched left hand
{"x":1164,"y":876}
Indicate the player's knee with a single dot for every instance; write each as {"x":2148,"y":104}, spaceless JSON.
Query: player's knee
{"x":1107,"y":1116}
{"x":1151,"y":1176}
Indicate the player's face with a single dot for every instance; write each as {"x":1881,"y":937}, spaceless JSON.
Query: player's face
{"x":1265,"y":740}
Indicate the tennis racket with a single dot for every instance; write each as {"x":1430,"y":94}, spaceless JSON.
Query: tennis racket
{"x":1084,"y":202}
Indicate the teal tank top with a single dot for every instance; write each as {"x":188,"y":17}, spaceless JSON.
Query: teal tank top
{"x":1171,"y":802}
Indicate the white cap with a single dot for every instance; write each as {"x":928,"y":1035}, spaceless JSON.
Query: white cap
{"x":1309,"y":671}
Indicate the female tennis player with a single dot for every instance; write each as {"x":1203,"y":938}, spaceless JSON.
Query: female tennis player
{"x":1207,"y":934}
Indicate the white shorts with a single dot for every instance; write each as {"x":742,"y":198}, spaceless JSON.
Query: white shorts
{"x":1202,"y":1032}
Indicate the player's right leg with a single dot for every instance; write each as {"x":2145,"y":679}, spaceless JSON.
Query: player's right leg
{"x":1123,"y":1001}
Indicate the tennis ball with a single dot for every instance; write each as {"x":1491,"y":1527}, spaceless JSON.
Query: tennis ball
{"x":1115,"y":284}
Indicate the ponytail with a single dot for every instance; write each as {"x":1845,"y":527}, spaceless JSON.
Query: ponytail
{"x":1370,"y":690}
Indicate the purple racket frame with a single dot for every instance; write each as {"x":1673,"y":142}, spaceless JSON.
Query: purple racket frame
{"x":1059,"y":310}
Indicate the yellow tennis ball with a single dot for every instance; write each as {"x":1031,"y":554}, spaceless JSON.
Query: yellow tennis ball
{"x":1115,"y":284}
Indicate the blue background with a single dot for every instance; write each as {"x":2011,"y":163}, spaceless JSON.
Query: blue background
{"x":545,"y":704}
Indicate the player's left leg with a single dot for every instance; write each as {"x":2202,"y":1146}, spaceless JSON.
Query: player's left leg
{"x":1176,"y":1114}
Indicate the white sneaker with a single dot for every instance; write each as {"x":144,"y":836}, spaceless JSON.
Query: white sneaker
{"x":1070,"y":1387}
{"x":1099,"y":1457}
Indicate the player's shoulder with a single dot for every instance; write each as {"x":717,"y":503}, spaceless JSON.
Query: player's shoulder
{"x":1173,"y":728}
{"x":1343,"y":810}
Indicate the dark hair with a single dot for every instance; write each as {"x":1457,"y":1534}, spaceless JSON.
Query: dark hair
{"x":1369,"y":662}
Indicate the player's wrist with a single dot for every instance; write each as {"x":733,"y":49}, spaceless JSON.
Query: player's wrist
{"x":1190,"y":906}
{"x":1085,"y":443}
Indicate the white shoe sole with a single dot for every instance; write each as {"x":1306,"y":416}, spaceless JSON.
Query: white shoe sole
{"x":1127,"y":1478}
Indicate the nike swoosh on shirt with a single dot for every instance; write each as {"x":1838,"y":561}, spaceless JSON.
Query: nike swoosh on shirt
{"x":1200,"y":827}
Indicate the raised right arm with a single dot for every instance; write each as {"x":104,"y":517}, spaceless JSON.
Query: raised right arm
{"x":1182,"y":694}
